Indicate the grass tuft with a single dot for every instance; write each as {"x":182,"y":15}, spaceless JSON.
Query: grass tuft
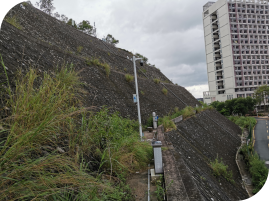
{"x":129,"y":78}
{"x":164,"y":90}
{"x":79,"y":49}
{"x":219,"y":168}
{"x":156,"y":80}
{"x":96,"y":62}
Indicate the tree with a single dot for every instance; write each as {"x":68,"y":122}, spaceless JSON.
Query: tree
{"x":57,"y":15}
{"x":85,"y":27}
{"x":70,"y":23}
{"x":64,"y":18}
{"x":110,"y":39}
{"x":46,"y":6}
{"x":240,"y":106}
{"x":261,"y":93}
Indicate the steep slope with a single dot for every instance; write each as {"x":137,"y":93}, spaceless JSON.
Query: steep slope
{"x":45,"y":43}
{"x":198,"y":141}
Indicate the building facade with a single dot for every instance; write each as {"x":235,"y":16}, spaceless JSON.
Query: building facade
{"x":236,"y":36}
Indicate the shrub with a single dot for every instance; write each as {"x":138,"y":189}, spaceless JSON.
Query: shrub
{"x":256,"y":167}
{"x":13,"y":21}
{"x":125,"y":69}
{"x":150,"y":122}
{"x":156,"y":80}
{"x":168,"y":124}
{"x":79,"y":49}
{"x":108,"y":54}
{"x":129,"y":78}
{"x":164,"y":90}
{"x":188,"y":112}
{"x":219,"y":169}
{"x":258,"y":171}
{"x":142,"y":92}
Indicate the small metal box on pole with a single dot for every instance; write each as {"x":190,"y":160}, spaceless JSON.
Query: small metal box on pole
{"x":134,"y":98}
{"x":158,"y":161}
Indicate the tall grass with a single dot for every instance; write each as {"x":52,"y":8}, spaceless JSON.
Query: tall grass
{"x":45,"y":117}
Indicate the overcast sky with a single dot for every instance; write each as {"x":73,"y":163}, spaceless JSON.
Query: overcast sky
{"x":169,"y":34}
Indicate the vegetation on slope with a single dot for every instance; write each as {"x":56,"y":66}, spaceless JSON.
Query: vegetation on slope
{"x":219,"y":168}
{"x":53,"y":149}
{"x":186,"y":112}
{"x":243,"y":122}
{"x":256,"y":167}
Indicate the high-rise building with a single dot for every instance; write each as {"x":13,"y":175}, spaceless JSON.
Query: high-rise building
{"x":236,"y":43}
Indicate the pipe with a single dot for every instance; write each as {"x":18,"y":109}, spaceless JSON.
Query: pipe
{"x":148,"y":184}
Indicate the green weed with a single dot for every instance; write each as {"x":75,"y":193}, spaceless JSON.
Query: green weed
{"x":164,"y":90}
{"x":219,"y":169}
{"x":129,"y":78}
{"x":156,"y":80}
{"x":96,"y":62}
{"x":79,"y":49}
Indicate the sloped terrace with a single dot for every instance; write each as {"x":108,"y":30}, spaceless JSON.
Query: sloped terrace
{"x":198,"y":141}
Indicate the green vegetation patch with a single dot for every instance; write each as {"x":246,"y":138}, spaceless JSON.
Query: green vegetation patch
{"x":96,"y":62}
{"x":164,"y":90}
{"x":129,"y":78}
{"x":235,"y":106}
{"x":14,"y":21}
{"x":156,"y":80}
{"x":79,"y":49}
{"x":243,"y":122}
{"x":219,"y":168}
{"x":53,"y":149}
{"x":256,"y":167}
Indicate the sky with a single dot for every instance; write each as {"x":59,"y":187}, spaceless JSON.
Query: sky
{"x":169,"y":33}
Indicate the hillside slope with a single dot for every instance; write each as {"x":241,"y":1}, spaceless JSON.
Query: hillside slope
{"x":199,"y":140}
{"x":45,"y":43}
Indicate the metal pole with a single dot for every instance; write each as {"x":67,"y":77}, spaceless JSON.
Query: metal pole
{"x":137,"y":96}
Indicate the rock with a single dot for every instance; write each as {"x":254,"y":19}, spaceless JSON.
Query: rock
{"x":60,"y":150}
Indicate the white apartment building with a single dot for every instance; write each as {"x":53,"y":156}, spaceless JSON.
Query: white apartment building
{"x":236,"y":44}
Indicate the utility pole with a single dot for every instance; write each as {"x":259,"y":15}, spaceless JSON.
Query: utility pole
{"x":137,"y":93}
